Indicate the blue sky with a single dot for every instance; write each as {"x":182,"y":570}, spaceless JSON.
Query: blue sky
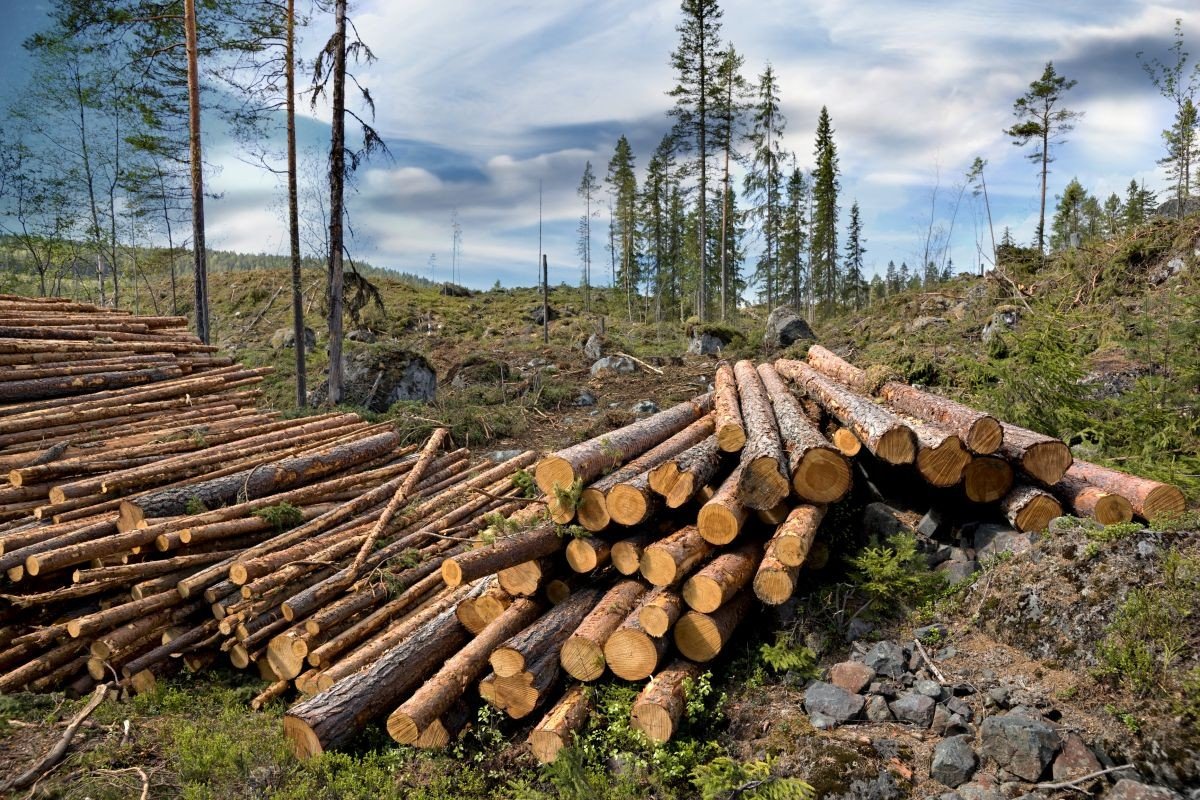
{"x":482,"y":101}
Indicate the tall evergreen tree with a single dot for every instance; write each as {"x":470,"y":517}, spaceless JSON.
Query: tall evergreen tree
{"x":730,"y":104}
{"x":824,"y":256}
{"x":1112,"y":215}
{"x":1139,"y":205}
{"x":653,"y":220}
{"x":587,"y":190}
{"x":855,"y":282}
{"x":1042,"y":121}
{"x":1179,"y":85}
{"x":696,"y":60}
{"x":763,"y":182}
{"x":622,"y":186}
{"x":892,"y":279}
{"x":793,"y":239}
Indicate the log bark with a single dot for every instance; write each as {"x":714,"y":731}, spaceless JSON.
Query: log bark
{"x":669,"y":560}
{"x":730,"y":428}
{"x":1150,"y":499}
{"x":700,"y":637}
{"x":680,"y":479}
{"x":660,"y":610}
{"x":987,"y":479}
{"x":794,"y":538}
{"x":545,"y":635}
{"x":1028,"y":508}
{"x":439,"y":693}
{"x":583,"y":651}
{"x":880,"y":431}
{"x":661,"y":704}
{"x":561,"y":724}
{"x":505,"y":552}
{"x":721,"y":519}
{"x":764,"y":481}
{"x":1089,"y":501}
{"x":718,"y":581}
{"x":819,"y":473}
{"x":584,"y":461}
{"x":1042,"y":457}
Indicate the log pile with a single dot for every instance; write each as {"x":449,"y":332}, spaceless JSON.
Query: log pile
{"x":165,"y":522}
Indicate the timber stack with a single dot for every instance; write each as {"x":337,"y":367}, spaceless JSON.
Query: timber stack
{"x":161,"y":522}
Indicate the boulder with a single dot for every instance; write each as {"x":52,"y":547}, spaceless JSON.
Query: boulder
{"x":881,"y":520}
{"x":613,"y":365}
{"x":1075,"y":760}
{"x":593,"y":348}
{"x":1127,"y":789}
{"x":535,"y":314}
{"x":643,"y":407}
{"x":956,"y":572}
{"x":362,"y":335}
{"x":954,"y":762}
{"x":784,"y":328}
{"x":585,"y":399}
{"x":454,"y":290}
{"x":853,"y":676}
{"x":914,"y":708}
{"x":833,"y":702}
{"x":877,"y":709}
{"x":480,"y":370}
{"x":992,"y":539}
{"x":888,"y":659}
{"x":921,"y":323}
{"x":1004,"y":318}
{"x":379,"y":376}
{"x":1020,"y":745}
{"x":706,"y":344}
{"x":286,"y":337}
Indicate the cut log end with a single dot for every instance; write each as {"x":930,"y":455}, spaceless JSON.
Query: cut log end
{"x":774,"y":585}
{"x":631,"y":654}
{"x":585,"y":555}
{"x":1112,"y":509}
{"x":731,"y":438}
{"x":943,"y":466}
{"x":302,"y":738}
{"x":452,"y":573}
{"x":718,"y":524}
{"x":823,"y":476}
{"x":985,"y":436}
{"x":522,"y":580}
{"x":987,"y":479}
{"x":506,"y":661}
{"x":626,"y":557}
{"x":846,"y":442}
{"x":1164,"y":500}
{"x":553,"y":471}
{"x":627,"y":505}
{"x":1036,"y":515}
{"x":591,"y":511}
{"x":762,"y":484}
{"x":654,"y":721}
{"x":897,"y":446}
{"x":402,"y":728}
{"x":1047,"y":461}
{"x":582,"y":659}
{"x":682,"y":490}
{"x":658,"y":567}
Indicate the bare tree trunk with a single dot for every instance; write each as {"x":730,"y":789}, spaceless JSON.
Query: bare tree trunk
{"x":293,"y":210}
{"x":337,"y":178}
{"x":198,"y":249}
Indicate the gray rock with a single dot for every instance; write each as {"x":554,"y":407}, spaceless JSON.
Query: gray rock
{"x":954,"y":762}
{"x":980,"y":791}
{"x":1075,"y":760}
{"x":535,"y":314}
{"x":1021,"y":746}
{"x":877,"y":709}
{"x":916,"y":709}
{"x":960,"y":707}
{"x":1166,"y":270}
{"x":997,"y":697}
{"x":929,"y":689}
{"x":613,"y":365}
{"x":380,"y":376}
{"x":585,"y":399}
{"x":880,"y":519}
{"x":832,"y":701}
{"x":362,"y":335}
{"x":931,"y":524}
{"x":921,"y":323}
{"x":285,"y":338}
{"x":645,"y":407}
{"x":888,"y":659}
{"x":956,"y":572}
{"x":992,"y":539}
{"x":822,"y":722}
{"x":785,"y":327}
{"x":498,"y":456}
{"x":1127,"y":789}
{"x":947,"y":723}
{"x":858,"y":628}
{"x":853,"y":676}
{"x":1005,"y":318}
{"x":931,"y":634}
{"x":705,"y":344}
{"x":594,"y":347}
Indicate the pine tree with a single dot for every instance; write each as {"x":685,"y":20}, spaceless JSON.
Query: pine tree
{"x":695,"y":61}
{"x":622,"y":185}
{"x":587,"y":190}
{"x":879,"y":289}
{"x":892,"y":281}
{"x":823,"y":247}
{"x":793,"y":240}
{"x":1112,"y":215}
{"x":1139,"y":205}
{"x":904,"y":275}
{"x":855,"y":283}
{"x":1040,"y":120}
{"x":763,"y":183}
{"x":653,"y":222}
{"x":730,"y":103}
{"x":1182,"y":139}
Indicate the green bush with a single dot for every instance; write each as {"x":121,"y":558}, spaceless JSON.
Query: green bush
{"x":895,"y":574}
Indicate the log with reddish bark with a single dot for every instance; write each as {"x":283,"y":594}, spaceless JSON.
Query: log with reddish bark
{"x":1150,"y":499}
{"x":879,"y":430}
{"x":661,"y":704}
{"x":1087,"y":500}
{"x":584,"y":461}
{"x":763,"y":481}
{"x":439,"y":693}
{"x":547,"y":634}
{"x":670,"y":559}
{"x":1041,"y":457}
{"x":583,"y":652}
{"x":1029,"y":508}
{"x":730,"y":428}
{"x":504,"y":552}
{"x":819,"y":473}
{"x":561,"y":724}
{"x":718,"y":581}
{"x":721,"y":518}
{"x":986,"y":479}
{"x":680,"y":479}
{"x":700,"y":637}
{"x":660,"y":610}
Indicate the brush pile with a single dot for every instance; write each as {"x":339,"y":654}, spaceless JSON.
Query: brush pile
{"x":152,"y":519}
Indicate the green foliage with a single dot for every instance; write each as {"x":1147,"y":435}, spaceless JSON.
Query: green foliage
{"x":572,"y":531}
{"x":1131,"y":723}
{"x":523,"y":480}
{"x":724,"y":777}
{"x":568,"y":498}
{"x":895,"y":574}
{"x":194,"y":506}
{"x":784,"y":655}
{"x":1115,"y":532}
{"x":1151,"y":630}
{"x":283,"y":516}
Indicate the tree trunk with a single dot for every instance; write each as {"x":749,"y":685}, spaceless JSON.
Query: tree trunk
{"x":819,"y":473}
{"x":1149,"y":499}
{"x":561,"y":724}
{"x":547,"y":634}
{"x":337,"y":180}
{"x":719,"y":580}
{"x":1042,"y":457}
{"x":626,"y":555}
{"x":504,"y":553}
{"x":670,"y":560}
{"x":660,"y":610}
{"x":763,"y":482}
{"x":662,"y":703}
{"x":731,"y":431}
{"x":583,"y":651}
{"x":1088,"y":501}
{"x":294,"y":211}
{"x":199,"y":255}
{"x":793,"y":539}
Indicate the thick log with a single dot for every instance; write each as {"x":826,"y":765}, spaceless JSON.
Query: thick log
{"x":439,"y":693}
{"x":987,"y":479}
{"x":626,"y":554}
{"x":505,"y":552}
{"x":793,"y":539}
{"x":1028,"y":508}
{"x":583,"y":651}
{"x":39,"y":388}
{"x":775,"y":581}
{"x":545,"y":635}
{"x":819,"y":473}
{"x":880,"y":431}
{"x":718,"y":581}
{"x":587,"y":553}
{"x":764,"y":481}
{"x":941,"y":456}
{"x":630,"y":652}
{"x":584,"y":461}
{"x":1150,"y":499}
{"x":475,"y":614}
{"x":1089,"y":501}
{"x":561,"y":724}
{"x":661,"y":704}
{"x":730,"y":428}
{"x":680,"y":479}
{"x":721,"y":518}
{"x":700,"y":637}
{"x":660,"y":610}
{"x":1039,"y":456}
{"x":670,"y":559}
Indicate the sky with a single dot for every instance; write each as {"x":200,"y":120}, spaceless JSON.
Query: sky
{"x":482,"y":103}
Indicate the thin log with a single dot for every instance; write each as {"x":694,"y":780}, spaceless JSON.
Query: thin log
{"x":561,"y":724}
{"x":545,"y":635}
{"x":763,"y":481}
{"x":660,"y":610}
{"x":718,"y":581}
{"x":1089,"y":501}
{"x":668,"y":560}
{"x":701,"y":637}
{"x":1029,"y":508}
{"x":730,"y":428}
{"x":721,"y":518}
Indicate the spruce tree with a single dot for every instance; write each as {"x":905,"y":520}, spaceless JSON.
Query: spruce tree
{"x":695,"y":61}
{"x":793,"y":239}
{"x":587,"y":190}
{"x":730,"y":103}
{"x":1112,"y":215}
{"x":855,"y":284}
{"x":823,"y":251}
{"x":893,"y":278}
{"x":654,"y":221}
{"x":763,"y":183}
{"x":622,"y":185}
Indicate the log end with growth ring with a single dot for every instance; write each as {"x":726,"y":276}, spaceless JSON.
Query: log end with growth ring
{"x":846,"y":442}
{"x":582,"y":658}
{"x":697,"y":637}
{"x":302,"y":738}
{"x":682,"y":490}
{"x":775,"y":585}
{"x":452,"y":573}
{"x":943,"y":466}
{"x":1112,"y":509}
{"x":632,"y":655}
{"x":703,"y":593}
{"x":987,"y":479}
{"x":553,"y":471}
{"x":654,"y":721}
{"x":658,"y":567}
{"x":718,"y":524}
{"x":897,"y":446}
{"x":584,"y":555}
{"x":823,"y":476}
{"x":1164,"y":500}
{"x":506,"y":661}
{"x":402,"y":728}
{"x":985,"y":436}
{"x":1047,"y":461}
{"x":731,"y":438}
{"x":626,"y":557}
{"x":1036,"y":515}
{"x":522,"y":580}
{"x":591,"y":510}
{"x":762,"y":484}
{"x":627,"y":505}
